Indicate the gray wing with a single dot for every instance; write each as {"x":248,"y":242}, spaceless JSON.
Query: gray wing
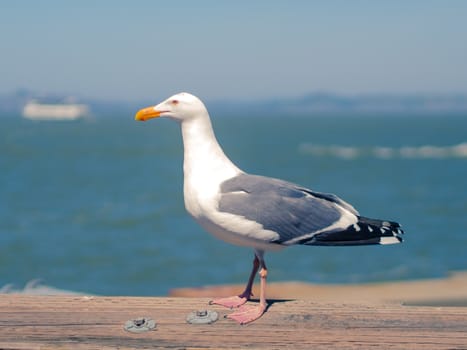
{"x":281,"y":206}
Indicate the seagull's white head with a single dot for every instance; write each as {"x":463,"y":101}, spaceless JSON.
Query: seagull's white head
{"x":182,"y":106}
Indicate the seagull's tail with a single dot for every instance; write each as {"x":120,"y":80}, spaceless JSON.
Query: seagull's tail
{"x":365,"y":231}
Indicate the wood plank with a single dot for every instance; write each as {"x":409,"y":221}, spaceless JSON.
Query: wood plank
{"x":70,"y":322}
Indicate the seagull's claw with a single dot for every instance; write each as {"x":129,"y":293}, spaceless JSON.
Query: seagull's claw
{"x":230,"y":302}
{"x":247,"y":314}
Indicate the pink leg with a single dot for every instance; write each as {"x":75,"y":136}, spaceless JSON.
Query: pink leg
{"x":238,"y":300}
{"x":247,"y":314}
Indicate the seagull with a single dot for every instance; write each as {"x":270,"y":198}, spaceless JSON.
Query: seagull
{"x":254,"y":211}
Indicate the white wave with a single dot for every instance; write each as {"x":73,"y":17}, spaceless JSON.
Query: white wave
{"x":35,"y":287}
{"x":410,"y":152}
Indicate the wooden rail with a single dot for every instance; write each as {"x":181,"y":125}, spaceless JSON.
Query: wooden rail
{"x":71,"y":322}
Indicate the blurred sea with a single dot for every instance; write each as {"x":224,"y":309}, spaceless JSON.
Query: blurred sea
{"x":96,"y":205}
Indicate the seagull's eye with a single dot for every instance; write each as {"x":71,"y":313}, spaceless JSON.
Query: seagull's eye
{"x":174,"y":102}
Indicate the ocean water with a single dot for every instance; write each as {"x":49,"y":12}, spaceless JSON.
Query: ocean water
{"x":96,"y":205}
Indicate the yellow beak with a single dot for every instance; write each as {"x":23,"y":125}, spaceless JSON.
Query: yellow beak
{"x":147,"y":113}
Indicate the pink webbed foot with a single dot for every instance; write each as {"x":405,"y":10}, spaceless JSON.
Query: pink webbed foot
{"x":230,"y":302}
{"x":247,"y":314}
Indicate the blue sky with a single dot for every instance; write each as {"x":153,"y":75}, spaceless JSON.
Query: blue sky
{"x":140,"y":50}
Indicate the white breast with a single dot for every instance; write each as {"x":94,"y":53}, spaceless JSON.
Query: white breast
{"x":205,"y":168}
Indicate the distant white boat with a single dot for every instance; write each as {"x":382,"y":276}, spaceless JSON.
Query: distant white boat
{"x":54,"y":111}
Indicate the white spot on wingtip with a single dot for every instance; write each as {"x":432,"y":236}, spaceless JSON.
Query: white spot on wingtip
{"x":389,"y":240}
{"x":356,"y":227}
{"x":370,"y":228}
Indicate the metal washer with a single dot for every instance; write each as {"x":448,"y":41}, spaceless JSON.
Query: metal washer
{"x":202,"y":317}
{"x":140,"y":325}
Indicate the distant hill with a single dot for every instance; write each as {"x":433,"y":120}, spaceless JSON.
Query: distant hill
{"x":322,"y":103}
{"x":14,"y":102}
{"x":314,"y":103}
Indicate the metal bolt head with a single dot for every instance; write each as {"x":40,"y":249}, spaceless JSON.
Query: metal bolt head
{"x":202,"y":317}
{"x":202,"y":313}
{"x":140,"y":325}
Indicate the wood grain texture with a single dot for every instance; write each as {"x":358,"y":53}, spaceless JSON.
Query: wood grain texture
{"x":68,"y":322}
